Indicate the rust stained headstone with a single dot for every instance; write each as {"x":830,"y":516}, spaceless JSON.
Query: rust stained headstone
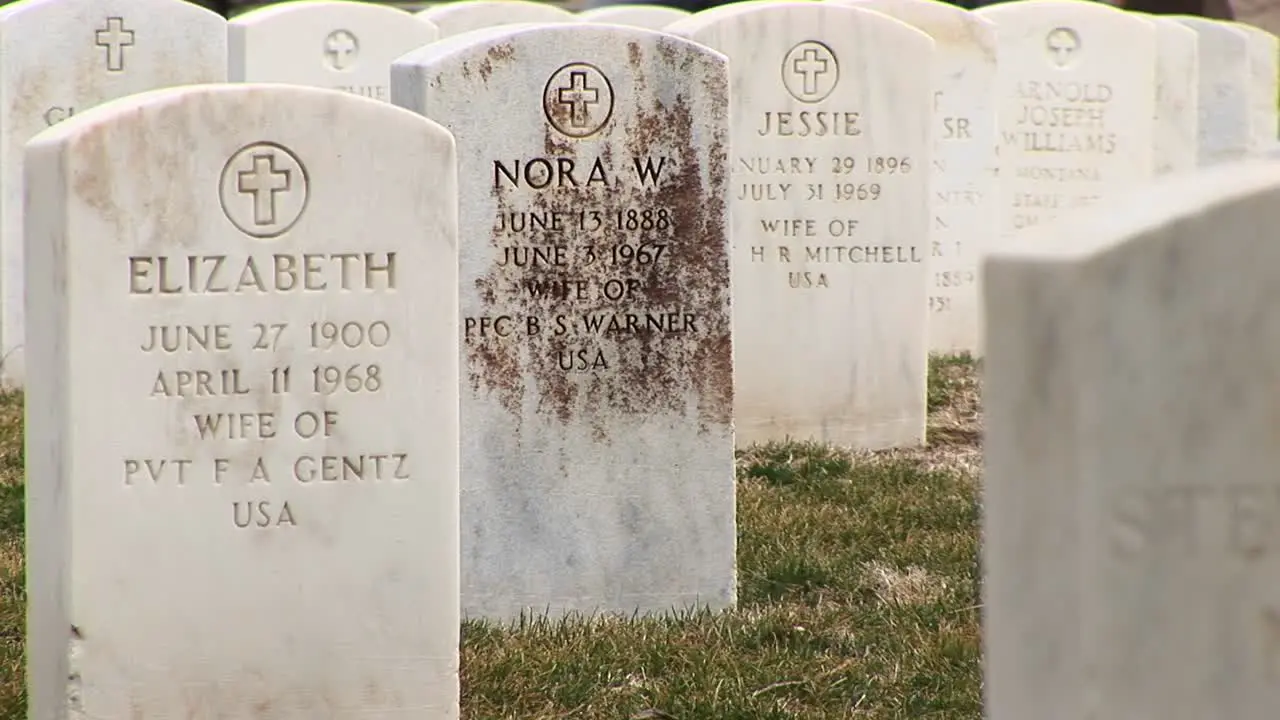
{"x":597,"y":372}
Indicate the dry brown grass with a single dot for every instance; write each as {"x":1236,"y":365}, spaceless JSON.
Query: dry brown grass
{"x":954,"y":437}
{"x":906,"y":586}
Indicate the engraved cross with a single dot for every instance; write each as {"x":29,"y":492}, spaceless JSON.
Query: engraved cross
{"x":1061,"y":45}
{"x":810,"y":66}
{"x":579,"y":96}
{"x":341,"y":48}
{"x":115,"y":39}
{"x":264,"y":181}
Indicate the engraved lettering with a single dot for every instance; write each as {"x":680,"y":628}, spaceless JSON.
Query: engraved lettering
{"x":172,"y":471}
{"x":542,"y":173}
{"x":262,"y":515}
{"x":1240,"y":520}
{"x":187,"y":338}
{"x":383,"y":467}
{"x":810,"y":123}
{"x":219,"y":274}
{"x":55,"y":115}
{"x":199,"y":383}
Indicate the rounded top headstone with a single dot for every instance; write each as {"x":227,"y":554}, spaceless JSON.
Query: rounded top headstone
{"x":268,"y":274}
{"x":946,"y":23}
{"x":336,"y":44}
{"x":654,"y":17}
{"x":461,"y":16}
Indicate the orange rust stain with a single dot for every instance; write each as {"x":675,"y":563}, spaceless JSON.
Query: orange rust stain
{"x":651,"y":372}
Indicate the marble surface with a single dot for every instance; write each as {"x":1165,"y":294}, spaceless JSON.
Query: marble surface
{"x":829,"y":200}
{"x":963,"y":193}
{"x":334,"y":44}
{"x":1076,"y":106}
{"x":1226,"y":113}
{"x":62,"y":57}
{"x":654,"y":17}
{"x":1264,"y":93}
{"x":597,"y":358}
{"x":1177,"y":96}
{"x":1130,"y":501}
{"x":460,"y":16}
{"x":242,"y":409}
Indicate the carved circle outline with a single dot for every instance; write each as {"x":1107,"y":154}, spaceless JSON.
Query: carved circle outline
{"x":331,"y":59}
{"x":787,"y":74}
{"x":551,"y":119}
{"x":1052,"y":51}
{"x":228,"y":168}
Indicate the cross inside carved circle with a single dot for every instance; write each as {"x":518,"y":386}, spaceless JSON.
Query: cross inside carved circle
{"x":578,"y":96}
{"x":809,"y":66}
{"x":263,"y":182}
{"x":341,"y":47}
{"x":1062,"y":43}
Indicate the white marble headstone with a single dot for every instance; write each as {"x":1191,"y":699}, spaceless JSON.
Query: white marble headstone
{"x":654,"y":17}
{"x":1131,"y":502}
{"x":1075,"y":106}
{"x":1264,"y":86}
{"x":1177,"y":89}
{"x":597,"y":366}
{"x":460,"y":16}
{"x":242,"y":418}
{"x":62,"y":57}
{"x":963,"y":194}
{"x":829,"y":200}
{"x":1226,"y":113}
{"x":335,"y":44}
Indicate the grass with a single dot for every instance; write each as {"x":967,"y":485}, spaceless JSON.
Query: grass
{"x":858,"y":597}
{"x":13,"y":594}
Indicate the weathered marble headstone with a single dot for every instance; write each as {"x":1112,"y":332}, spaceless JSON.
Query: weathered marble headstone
{"x":1075,"y":106}
{"x":335,"y":44}
{"x":1177,"y":119}
{"x":62,"y":57}
{"x":1132,"y":507}
{"x":654,"y":17}
{"x":1225,"y":113}
{"x":460,"y":16}
{"x":963,"y":192}
{"x":1264,"y":86}
{"x":242,"y":420}
{"x":597,"y":374}
{"x":829,"y":200}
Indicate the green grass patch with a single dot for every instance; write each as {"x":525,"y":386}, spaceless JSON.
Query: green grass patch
{"x":949,"y":374}
{"x":857,"y":598}
{"x":13,"y":595}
